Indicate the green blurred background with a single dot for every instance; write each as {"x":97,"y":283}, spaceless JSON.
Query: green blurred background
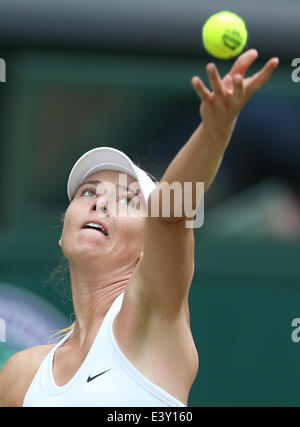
{"x":118,"y":74}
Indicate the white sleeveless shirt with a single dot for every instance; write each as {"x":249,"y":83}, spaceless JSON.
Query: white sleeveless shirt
{"x":105,"y":378}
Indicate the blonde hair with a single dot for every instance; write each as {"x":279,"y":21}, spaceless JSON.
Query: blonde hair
{"x":59,"y":278}
{"x":61,"y":333}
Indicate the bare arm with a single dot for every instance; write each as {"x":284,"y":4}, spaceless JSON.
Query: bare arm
{"x":18,"y":372}
{"x":167,"y":267}
{"x":200,"y":158}
{"x":10,"y":380}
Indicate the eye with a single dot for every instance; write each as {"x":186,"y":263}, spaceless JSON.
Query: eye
{"x":88,"y":193}
{"x":126,"y":199}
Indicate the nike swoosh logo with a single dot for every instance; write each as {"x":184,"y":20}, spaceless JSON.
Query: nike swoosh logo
{"x":92,"y":378}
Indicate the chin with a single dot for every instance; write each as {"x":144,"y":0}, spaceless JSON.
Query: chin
{"x":84,"y":250}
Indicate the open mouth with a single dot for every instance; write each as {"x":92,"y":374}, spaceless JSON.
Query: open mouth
{"x":95,"y":226}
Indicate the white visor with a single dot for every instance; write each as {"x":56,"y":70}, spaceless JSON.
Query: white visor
{"x":102,"y":158}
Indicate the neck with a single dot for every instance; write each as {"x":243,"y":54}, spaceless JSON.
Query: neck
{"x":93,"y":295}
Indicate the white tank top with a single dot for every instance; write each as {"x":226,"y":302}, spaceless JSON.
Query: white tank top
{"x":105,"y":378}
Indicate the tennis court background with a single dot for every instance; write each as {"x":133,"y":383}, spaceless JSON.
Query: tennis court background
{"x":58,"y":103}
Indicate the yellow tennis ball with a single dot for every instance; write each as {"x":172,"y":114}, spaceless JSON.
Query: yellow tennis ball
{"x":224,"y":35}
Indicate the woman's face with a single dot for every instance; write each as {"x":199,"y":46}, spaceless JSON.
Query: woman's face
{"x":123,"y":222}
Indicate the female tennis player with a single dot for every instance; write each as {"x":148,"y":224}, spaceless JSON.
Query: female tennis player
{"x":131,"y":343}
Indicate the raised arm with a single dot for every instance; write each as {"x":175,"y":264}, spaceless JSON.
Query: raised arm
{"x":167,"y":267}
{"x":200,"y":158}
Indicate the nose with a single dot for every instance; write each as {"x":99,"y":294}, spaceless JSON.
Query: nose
{"x":100,"y":206}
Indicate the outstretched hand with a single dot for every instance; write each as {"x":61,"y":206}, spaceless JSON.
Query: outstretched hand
{"x":220,"y":107}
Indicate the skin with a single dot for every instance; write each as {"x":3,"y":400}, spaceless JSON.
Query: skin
{"x":151,"y":259}
{"x":93,"y":257}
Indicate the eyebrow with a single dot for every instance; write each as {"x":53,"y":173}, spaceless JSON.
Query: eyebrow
{"x":99,"y":182}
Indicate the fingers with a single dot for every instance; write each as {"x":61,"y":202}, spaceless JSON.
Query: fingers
{"x":200,"y":88}
{"x":243,"y":62}
{"x":234,"y":82}
{"x":258,"y":79}
{"x":214,"y":79}
{"x":238,"y":88}
{"x":215,"y":83}
{"x":228,"y":83}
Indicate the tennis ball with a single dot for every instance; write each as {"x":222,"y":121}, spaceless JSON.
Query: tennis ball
{"x":224,"y":35}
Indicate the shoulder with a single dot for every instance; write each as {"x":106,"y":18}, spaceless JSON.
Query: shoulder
{"x":18,"y":372}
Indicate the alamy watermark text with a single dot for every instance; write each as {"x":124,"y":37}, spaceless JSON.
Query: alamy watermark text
{"x":296,"y":72}
{"x":174,"y":200}
{"x":2,"y":330}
